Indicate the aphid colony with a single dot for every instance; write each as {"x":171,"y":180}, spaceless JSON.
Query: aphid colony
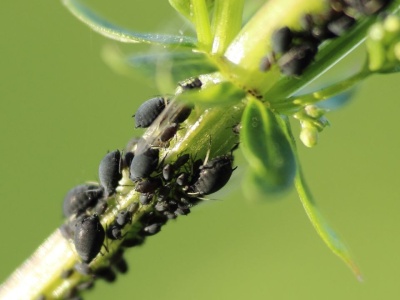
{"x":171,"y":188}
{"x":294,"y":50}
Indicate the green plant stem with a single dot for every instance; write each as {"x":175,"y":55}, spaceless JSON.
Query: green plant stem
{"x":226,"y":23}
{"x":293,"y":104}
{"x":240,"y":65}
{"x":202,"y":23}
{"x":58,"y":254}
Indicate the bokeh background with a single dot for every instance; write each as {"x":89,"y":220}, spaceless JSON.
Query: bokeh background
{"x":62,"y":109}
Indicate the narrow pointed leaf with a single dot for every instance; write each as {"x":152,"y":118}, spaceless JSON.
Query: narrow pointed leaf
{"x":266,"y":147}
{"x":327,"y":234}
{"x":112,"y":31}
{"x":170,"y":67}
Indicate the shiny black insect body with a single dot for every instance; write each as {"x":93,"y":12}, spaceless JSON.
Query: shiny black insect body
{"x":149,"y":111}
{"x":148,"y":185}
{"x":124,"y":217}
{"x":114,"y":232}
{"x":213,"y":175}
{"x":181,"y":160}
{"x":182,"y":179}
{"x":182,"y":114}
{"x":105,"y":273}
{"x":169,"y":132}
{"x":152,"y":229}
{"x":88,"y":237}
{"x":339,"y":26}
{"x":192,"y":83}
{"x":143,"y":164}
{"x":110,"y":172}
{"x":132,"y":242}
{"x":168,"y":172}
{"x":282,"y":40}
{"x":128,"y":158}
{"x":81,"y":198}
{"x":118,"y":262}
{"x":145,"y":198}
{"x":297,"y":59}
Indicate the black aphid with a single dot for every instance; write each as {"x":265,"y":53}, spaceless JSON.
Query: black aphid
{"x":161,"y":206}
{"x":124,"y":217}
{"x":149,"y":111}
{"x":118,"y":262}
{"x":183,"y":211}
{"x":182,"y":179}
{"x":145,"y":198}
{"x":100,"y":207}
{"x":339,"y":26}
{"x":81,"y":198}
{"x":192,"y":83}
{"x":196,"y":168}
{"x":132,"y":242}
{"x":121,"y":265}
{"x":213,"y":175}
{"x":143,"y":164}
{"x":170,"y":215}
{"x":182,"y":114}
{"x":168,"y":172}
{"x":282,"y":40}
{"x":181,"y":160}
{"x":110,"y":172}
{"x":163,"y":193}
{"x":89,"y":237}
{"x":114,"y":232}
{"x":106,"y":273}
{"x":148,"y":185}
{"x":297,"y":59}
{"x":128,"y":158}
{"x":169,"y":132}
{"x":152,"y":229}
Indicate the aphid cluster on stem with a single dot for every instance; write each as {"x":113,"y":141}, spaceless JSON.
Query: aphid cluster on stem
{"x":167,"y":187}
{"x":294,"y":50}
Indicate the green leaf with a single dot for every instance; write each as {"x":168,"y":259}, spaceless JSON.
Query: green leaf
{"x":266,"y":147}
{"x":201,"y":20}
{"x":256,"y":191}
{"x":327,"y":234}
{"x":184,"y":7}
{"x":323,"y":229}
{"x":212,"y":94}
{"x":226,"y":23}
{"x":164,"y":68}
{"x":117,"y":33}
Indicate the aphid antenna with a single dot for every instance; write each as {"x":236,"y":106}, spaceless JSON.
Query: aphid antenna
{"x":202,"y":198}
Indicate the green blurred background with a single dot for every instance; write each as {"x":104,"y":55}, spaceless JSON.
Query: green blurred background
{"x":62,"y":108}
